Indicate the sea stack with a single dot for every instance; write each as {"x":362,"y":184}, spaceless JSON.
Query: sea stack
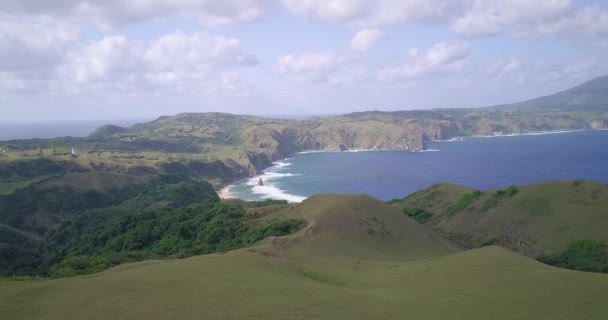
{"x":261,"y":182}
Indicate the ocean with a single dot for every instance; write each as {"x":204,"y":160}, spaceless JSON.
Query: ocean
{"x":483,"y":163}
{"x":49,"y":130}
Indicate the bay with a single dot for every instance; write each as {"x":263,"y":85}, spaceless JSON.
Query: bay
{"x":482,"y":163}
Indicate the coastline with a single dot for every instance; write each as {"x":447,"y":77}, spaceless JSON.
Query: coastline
{"x":225,"y":191}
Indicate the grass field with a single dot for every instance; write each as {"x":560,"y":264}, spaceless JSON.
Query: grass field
{"x":357,"y":259}
{"x":10,"y":187}
{"x":536,"y":219}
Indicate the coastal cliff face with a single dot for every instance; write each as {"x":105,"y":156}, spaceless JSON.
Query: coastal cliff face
{"x":250,"y":144}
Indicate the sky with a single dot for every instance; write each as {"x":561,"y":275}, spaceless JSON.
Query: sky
{"x":64,"y":60}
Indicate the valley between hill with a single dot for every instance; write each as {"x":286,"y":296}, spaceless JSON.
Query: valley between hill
{"x":358,"y":258}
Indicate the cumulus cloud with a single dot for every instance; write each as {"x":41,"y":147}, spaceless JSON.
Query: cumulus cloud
{"x":375,"y":13}
{"x":198,"y":53}
{"x":109,"y":59}
{"x":534,"y":19}
{"x":366,"y":39}
{"x":30,"y":51}
{"x":515,"y":16}
{"x":316,"y":66}
{"x":127,"y":11}
{"x":470,"y":18}
{"x":116,"y":63}
{"x":591,"y":21}
{"x":442,"y":58}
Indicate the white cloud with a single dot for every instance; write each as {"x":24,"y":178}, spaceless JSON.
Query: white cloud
{"x":479,"y":24}
{"x":317,"y":66}
{"x":327,"y":10}
{"x":374,"y":13}
{"x":366,"y":39}
{"x":210,"y":12}
{"x":110,"y":59}
{"x":171,"y":62}
{"x":591,"y":21}
{"x":442,"y":58}
{"x":512,"y":66}
{"x":195,"y":53}
{"x":30,"y":51}
{"x":535,"y":19}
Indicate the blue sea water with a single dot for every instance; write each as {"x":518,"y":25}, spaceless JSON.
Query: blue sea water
{"x":49,"y":130}
{"x":483,"y":163}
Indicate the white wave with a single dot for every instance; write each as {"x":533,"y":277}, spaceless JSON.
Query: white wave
{"x":269,"y":176}
{"x":360,"y":150}
{"x":281,"y":164}
{"x":430,"y":150}
{"x":271,"y":192}
{"x":535,"y":133}
{"x":315,"y":151}
{"x":455,"y":139}
{"x":226,"y":193}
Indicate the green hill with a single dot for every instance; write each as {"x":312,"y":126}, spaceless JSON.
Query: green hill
{"x":357,"y":227}
{"x":591,"y":95}
{"x":81,"y":201}
{"x":534,"y":220}
{"x":357,"y":259}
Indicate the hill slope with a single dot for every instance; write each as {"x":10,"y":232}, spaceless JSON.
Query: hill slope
{"x":535,"y":220}
{"x":361,"y":276}
{"x":591,"y":95}
{"x":357,"y":227}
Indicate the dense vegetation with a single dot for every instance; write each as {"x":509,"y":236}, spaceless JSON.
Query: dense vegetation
{"x":29,"y":169}
{"x":420,"y":215}
{"x":103,"y":238}
{"x":465,"y":202}
{"x":168,"y":216}
{"x":583,"y":255}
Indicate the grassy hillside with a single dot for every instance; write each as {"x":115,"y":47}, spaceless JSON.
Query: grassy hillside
{"x":534,"y":220}
{"x":357,"y":227}
{"x":357,"y":259}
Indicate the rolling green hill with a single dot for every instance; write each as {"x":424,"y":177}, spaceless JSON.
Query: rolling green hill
{"x":534,"y":220}
{"x":357,"y":227}
{"x":357,"y":259}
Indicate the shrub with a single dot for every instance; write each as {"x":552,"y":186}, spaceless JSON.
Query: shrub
{"x":419,"y":215}
{"x":583,"y":255}
{"x":465,"y":202}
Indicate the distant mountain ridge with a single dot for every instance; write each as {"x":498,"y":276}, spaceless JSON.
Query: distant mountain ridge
{"x":591,"y":95}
